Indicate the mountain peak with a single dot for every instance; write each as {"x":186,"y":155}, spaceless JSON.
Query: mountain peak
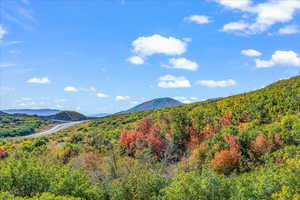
{"x":154,"y":104}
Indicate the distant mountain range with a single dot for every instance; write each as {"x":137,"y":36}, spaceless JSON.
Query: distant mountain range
{"x":39,"y":112}
{"x":154,"y":104}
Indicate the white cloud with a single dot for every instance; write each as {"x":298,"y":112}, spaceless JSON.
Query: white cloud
{"x":136,"y":60}
{"x":122,"y":98}
{"x":199,"y":19}
{"x":265,"y":14}
{"x":102,"y":95}
{"x":134,"y":102}
{"x":251,"y":52}
{"x":157,"y":44}
{"x":169,"y":81}
{"x":235,"y":26}
{"x":280,"y":58}
{"x":7,"y":64}
{"x":44,"y":80}
{"x":70,"y":89}
{"x":186,"y":99}
{"x":235,"y":3}
{"x":3,"y":32}
{"x":182,"y":63}
{"x":289,"y":29}
{"x":212,"y":83}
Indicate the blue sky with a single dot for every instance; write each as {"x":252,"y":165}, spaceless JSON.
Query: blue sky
{"x":108,"y":55}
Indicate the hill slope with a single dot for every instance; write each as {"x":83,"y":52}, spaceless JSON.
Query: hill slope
{"x":241,"y":147}
{"x":154,"y":104}
{"x":68,"y":116}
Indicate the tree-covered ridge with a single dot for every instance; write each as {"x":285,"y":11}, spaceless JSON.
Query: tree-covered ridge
{"x":11,"y":125}
{"x":68,"y":116}
{"x":241,"y":147}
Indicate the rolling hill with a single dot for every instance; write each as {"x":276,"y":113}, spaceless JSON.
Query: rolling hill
{"x":154,"y":104}
{"x":68,"y":116}
{"x":240,"y":147}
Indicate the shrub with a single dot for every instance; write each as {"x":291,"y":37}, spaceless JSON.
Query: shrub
{"x":263,"y":144}
{"x":191,"y":185}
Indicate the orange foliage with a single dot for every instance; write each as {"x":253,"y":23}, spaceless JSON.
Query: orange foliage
{"x":224,"y":161}
{"x":226,"y":120}
{"x":3,"y":153}
{"x":146,"y":134}
{"x":129,"y":139}
{"x":144,"y":125}
{"x":263,"y":144}
{"x":208,"y":131}
{"x":194,"y":135}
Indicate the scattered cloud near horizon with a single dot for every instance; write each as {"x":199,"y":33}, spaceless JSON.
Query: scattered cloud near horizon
{"x":122,"y":98}
{"x":43,"y":80}
{"x":213,"y":83}
{"x":199,"y":19}
{"x":70,"y":89}
{"x":136,"y":60}
{"x":280,"y":58}
{"x":181,"y":63}
{"x":102,"y":95}
{"x":251,"y":53}
{"x":170,"y":81}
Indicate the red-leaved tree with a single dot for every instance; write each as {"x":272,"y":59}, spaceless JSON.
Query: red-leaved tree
{"x":3,"y":153}
{"x":226,"y":160}
{"x":263,"y":144}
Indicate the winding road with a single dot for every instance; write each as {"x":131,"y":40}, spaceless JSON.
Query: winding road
{"x":53,"y":130}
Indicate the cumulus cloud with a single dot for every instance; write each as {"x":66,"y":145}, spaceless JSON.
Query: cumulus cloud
{"x":280,"y":58}
{"x":102,"y":95}
{"x":136,"y":60}
{"x":157,"y":44}
{"x":266,"y":14}
{"x":235,"y":26}
{"x":213,"y":83}
{"x":122,"y":98}
{"x":43,"y":80}
{"x":182,"y":63}
{"x":234,"y":3}
{"x":186,"y":99}
{"x":3,"y":32}
{"x":70,"y":89}
{"x":199,"y":19}
{"x":289,"y":29}
{"x":251,"y":53}
{"x":170,"y":81}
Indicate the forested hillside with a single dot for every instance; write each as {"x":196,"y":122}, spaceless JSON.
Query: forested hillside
{"x":11,"y":126}
{"x":241,"y":147}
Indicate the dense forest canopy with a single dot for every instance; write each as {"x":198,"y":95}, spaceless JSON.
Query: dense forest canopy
{"x":241,"y":147}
